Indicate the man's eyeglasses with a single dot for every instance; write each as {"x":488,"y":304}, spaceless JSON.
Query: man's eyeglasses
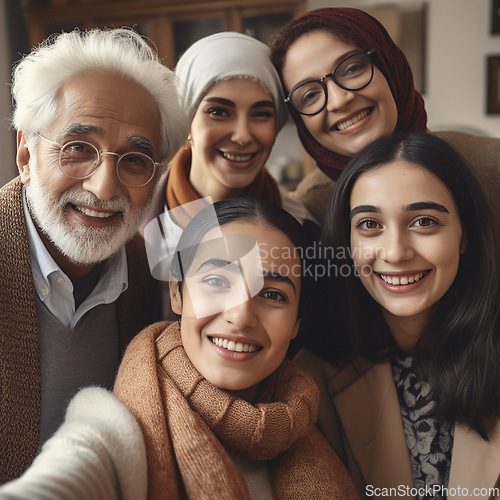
{"x":80,"y":159}
{"x":353,"y":73}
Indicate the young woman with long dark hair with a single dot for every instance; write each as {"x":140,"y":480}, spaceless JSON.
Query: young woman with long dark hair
{"x":409,"y":363}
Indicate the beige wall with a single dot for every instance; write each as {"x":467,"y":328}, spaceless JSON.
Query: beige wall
{"x":7,"y":136}
{"x":458,"y":42}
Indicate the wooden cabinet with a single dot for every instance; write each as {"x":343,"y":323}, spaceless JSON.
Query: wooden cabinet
{"x":172,"y":25}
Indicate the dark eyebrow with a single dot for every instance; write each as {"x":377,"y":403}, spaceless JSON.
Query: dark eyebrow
{"x":142,"y":144}
{"x":216,"y":264}
{"x":76,"y":129}
{"x":220,"y":100}
{"x":419,"y":205}
{"x":270,"y":276}
{"x":346,"y":56}
{"x":267,"y":275}
{"x":335,"y":63}
{"x":363,"y":208}
{"x":263,"y":104}
{"x":426,"y":205}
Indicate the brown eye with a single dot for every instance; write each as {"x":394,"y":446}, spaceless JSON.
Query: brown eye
{"x":425,"y":222}
{"x":368,"y":224}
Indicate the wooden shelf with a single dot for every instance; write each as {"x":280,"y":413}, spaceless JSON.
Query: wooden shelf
{"x":163,"y":21}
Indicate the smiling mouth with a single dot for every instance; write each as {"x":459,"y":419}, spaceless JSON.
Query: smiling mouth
{"x":237,"y":158}
{"x":231,"y":345}
{"x":352,"y":121}
{"x":93,"y":213}
{"x":402,"y":280}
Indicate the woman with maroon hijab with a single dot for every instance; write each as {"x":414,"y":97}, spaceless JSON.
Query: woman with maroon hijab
{"x":347,"y":84}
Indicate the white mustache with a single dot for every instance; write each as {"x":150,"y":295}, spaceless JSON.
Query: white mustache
{"x":77,"y":196}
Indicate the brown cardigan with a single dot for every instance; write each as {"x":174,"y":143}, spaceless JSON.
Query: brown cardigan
{"x":480,"y":152}
{"x":20,"y":379}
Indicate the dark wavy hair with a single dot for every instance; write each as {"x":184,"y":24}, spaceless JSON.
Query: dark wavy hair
{"x":233,"y":210}
{"x":459,"y":350}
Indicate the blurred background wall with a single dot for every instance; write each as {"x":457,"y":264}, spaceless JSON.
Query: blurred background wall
{"x":449,"y":42}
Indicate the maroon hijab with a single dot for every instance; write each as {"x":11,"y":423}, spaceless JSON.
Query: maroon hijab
{"x":369,"y":34}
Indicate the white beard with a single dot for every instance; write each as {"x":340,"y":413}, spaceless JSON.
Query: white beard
{"x":79,"y":243}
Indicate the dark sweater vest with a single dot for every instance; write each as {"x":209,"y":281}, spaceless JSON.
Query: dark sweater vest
{"x":73,"y":359}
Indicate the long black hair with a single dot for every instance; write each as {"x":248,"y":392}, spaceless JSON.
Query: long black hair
{"x":459,"y":349}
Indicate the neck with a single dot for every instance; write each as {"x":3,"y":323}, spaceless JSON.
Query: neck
{"x":406,"y":330}
{"x":249,"y":394}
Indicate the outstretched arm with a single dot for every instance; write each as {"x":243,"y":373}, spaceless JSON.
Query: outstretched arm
{"x":98,"y":453}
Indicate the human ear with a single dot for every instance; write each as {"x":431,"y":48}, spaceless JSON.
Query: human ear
{"x":23,"y":158}
{"x":175,"y":297}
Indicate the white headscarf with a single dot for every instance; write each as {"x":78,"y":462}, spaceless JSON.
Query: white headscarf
{"x":228,"y":55}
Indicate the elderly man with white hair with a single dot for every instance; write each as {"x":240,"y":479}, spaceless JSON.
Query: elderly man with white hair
{"x":97,"y":118}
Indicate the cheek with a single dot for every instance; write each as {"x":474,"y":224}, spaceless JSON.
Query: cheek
{"x":267,"y":134}
{"x":446,"y":257}
{"x":207,"y":134}
{"x":314,"y":123}
{"x":139,"y":197}
{"x":56,"y":182}
{"x":362,"y":252}
{"x":382,"y":94}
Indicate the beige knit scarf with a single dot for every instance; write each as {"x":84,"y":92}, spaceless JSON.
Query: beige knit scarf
{"x":185,"y":419}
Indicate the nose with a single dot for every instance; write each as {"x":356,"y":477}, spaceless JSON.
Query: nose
{"x":242,"y":134}
{"x":242,"y":316}
{"x":396,"y":247}
{"x":337,"y":96}
{"x":104,"y":182}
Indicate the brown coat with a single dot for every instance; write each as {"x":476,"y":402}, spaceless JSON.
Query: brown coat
{"x":360,"y":416}
{"x":482,"y":154}
{"x":20,"y":379}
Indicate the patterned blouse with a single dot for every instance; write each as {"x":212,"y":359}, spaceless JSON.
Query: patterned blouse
{"x":429,"y":441}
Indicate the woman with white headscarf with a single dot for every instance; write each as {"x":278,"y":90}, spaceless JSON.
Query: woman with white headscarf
{"x":233,"y":96}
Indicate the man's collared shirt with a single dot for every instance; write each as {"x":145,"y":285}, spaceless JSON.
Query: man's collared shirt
{"x":55,"y":289}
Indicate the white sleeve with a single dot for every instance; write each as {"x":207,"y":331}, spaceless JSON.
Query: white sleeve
{"x":98,"y":453}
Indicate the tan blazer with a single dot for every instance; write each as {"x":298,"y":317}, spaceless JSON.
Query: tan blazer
{"x":360,"y":416}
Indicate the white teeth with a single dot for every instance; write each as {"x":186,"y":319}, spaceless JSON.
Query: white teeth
{"x":404,"y":280}
{"x":352,"y":121}
{"x":230,"y":345}
{"x":93,"y":213}
{"x":240,"y":158}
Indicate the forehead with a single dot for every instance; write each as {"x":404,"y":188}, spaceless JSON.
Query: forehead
{"x":274,"y":248}
{"x":397,"y":184}
{"x":300,"y":57}
{"x":110,"y":102}
{"x":239,"y":90}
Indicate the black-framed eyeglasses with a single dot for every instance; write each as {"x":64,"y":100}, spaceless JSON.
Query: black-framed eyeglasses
{"x":353,"y":73}
{"x":80,"y":159}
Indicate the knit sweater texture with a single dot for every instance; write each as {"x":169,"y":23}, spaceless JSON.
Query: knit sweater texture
{"x":187,"y":423}
{"x":20,"y":379}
